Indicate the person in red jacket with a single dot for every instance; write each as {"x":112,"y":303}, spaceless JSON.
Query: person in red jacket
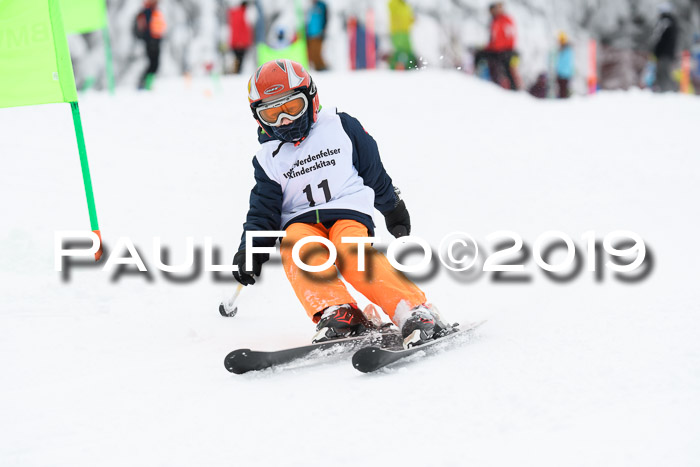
{"x":241,"y":34}
{"x":502,"y":30}
{"x":500,"y":51}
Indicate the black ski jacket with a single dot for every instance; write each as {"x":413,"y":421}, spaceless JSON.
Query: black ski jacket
{"x":666,"y":35}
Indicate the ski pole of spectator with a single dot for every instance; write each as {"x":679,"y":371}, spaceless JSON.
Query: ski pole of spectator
{"x":592,"y":67}
{"x":685,"y":72}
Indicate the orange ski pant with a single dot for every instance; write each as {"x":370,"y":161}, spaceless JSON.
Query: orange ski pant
{"x":379,"y":282}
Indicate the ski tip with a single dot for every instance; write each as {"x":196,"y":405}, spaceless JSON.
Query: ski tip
{"x":235,"y":361}
{"x":227,"y":314}
{"x":365,"y":360}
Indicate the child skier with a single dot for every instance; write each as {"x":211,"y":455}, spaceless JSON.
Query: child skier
{"x":318,"y":173}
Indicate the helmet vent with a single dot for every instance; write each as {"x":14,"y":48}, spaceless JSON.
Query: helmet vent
{"x":294,"y":79}
{"x":253,"y":93}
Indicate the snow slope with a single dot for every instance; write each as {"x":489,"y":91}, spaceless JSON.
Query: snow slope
{"x":119,"y":371}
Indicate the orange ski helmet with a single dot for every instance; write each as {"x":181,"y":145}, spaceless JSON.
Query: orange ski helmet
{"x":275,"y":80}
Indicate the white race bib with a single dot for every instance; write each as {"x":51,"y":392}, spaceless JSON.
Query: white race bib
{"x":318,"y":173}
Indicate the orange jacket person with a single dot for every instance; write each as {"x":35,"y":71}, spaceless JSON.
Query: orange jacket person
{"x":319,"y":173}
{"x":150,"y":27}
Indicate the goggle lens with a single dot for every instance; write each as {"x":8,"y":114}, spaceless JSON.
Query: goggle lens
{"x":292,"y":108}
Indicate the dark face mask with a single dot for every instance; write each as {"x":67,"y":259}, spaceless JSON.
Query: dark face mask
{"x":295,"y":131}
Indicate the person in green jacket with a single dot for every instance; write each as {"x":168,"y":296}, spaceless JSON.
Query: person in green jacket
{"x":400,"y":23}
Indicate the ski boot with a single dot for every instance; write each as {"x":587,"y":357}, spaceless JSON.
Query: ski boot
{"x":422,"y":324}
{"x":341,"y":321}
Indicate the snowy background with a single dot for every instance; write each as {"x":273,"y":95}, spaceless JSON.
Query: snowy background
{"x":128,"y":370}
{"x":443,"y":28}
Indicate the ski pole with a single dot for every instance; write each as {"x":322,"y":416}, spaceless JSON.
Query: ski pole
{"x":227,"y":308}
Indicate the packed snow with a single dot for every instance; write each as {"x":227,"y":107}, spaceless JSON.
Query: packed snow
{"x":127,"y":369}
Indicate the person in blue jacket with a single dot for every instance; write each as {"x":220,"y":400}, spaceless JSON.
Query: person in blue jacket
{"x":318,"y":174}
{"x":315,"y":33}
{"x":565,"y":66}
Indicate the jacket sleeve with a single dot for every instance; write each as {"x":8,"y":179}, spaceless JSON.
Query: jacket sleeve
{"x":265,"y":211}
{"x":366,"y":159}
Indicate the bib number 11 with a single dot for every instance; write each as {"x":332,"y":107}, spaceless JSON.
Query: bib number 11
{"x":326,"y":192}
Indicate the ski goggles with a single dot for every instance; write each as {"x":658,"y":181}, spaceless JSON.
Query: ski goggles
{"x":292,"y":107}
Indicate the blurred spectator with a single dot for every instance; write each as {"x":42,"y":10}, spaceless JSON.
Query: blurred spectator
{"x":315,"y":33}
{"x":541,"y":87}
{"x":500,"y":52}
{"x":401,"y":20}
{"x":695,"y":60}
{"x":565,"y":66}
{"x":663,"y":40}
{"x":241,"y":34}
{"x":149,"y":26}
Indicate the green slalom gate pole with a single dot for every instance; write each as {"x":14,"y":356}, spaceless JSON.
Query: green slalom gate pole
{"x":109,"y":63}
{"x":108,"y":59}
{"x":80,"y":138}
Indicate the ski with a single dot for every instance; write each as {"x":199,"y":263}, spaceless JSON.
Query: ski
{"x":241,"y":361}
{"x":372,"y":358}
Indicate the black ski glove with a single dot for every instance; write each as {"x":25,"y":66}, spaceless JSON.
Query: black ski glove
{"x":243,"y":275}
{"x":398,"y":222}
